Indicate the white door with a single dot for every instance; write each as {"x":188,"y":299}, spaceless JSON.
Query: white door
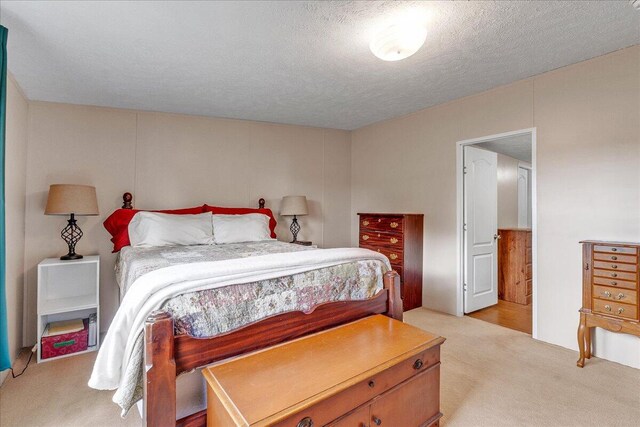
{"x":524,"y":198}
{"x":480,"y":229}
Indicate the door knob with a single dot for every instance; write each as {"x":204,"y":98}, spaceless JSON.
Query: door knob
{"x":497,"y":236}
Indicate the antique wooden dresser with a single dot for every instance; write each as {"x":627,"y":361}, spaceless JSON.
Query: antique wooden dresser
{"x":609,"y":291}
{"x":374,"y":371}
{"x":515,"y":277}
{"x":399,"y":237}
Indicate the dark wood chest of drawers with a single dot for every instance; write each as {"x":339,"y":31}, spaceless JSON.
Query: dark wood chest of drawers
{"x":399,"y":237}
{"x":610,"y":291}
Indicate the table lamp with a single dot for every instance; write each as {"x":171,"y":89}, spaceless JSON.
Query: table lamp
{"x":294,"y":206}
{"x":72,"y":200}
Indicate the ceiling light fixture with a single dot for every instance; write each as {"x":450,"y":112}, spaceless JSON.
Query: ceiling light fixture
{"x":398,"y":41}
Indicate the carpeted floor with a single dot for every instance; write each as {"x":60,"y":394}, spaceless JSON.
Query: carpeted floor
{"x":491,"y":376}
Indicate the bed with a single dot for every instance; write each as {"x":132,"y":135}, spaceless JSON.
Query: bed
{"x":184,"y":308}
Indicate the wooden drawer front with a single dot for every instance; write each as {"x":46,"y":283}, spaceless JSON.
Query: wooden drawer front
{"x":413,"y":403}
{"x":382,"y":223}
{"x":622,"y":275}
{"x":391,"y":240}
{"x":358,"y":418}
{"x":614,"y":282}
{"x":395,"y":256}
{"x":616,"y":249}
{"x":615,"y":257}
{"x":615,"y":266}
{"x":614,"y":294}
{"x":331,"y":409}
{"x":615,"y":309}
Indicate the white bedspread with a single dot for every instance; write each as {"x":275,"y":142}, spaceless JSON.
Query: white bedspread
{"x":150,"y":290}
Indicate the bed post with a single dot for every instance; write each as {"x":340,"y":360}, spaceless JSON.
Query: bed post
{"x":261,"y":203}
{"x":127,"y":198}
{"x":159,"y":371}
{"x":391,"y":280}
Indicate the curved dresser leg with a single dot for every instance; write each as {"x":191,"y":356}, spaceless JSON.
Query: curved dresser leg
{"x":581,"y":341}
{"x":587,"y":340}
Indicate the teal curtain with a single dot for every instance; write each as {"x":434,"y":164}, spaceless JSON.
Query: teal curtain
{"x":5,"y":359}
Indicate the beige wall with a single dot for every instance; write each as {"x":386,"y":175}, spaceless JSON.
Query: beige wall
{"x":170,"y":161}
{"x":507,"y":191}
{"x":15,"y":182}
{"x":588,"y":160}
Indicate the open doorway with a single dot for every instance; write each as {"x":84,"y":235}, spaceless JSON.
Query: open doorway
{"x":496,"y":215}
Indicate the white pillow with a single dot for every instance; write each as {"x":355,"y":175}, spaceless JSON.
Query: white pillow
{"x":251,"y":227}
{"x":160,"y":229}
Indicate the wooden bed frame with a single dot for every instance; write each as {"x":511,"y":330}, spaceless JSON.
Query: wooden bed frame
{"x":167,"y":355}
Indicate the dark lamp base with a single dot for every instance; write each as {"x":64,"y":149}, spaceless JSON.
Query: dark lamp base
{"x":69,"y":257}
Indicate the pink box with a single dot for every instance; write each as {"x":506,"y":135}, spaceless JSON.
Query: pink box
{"x":59,"y":345}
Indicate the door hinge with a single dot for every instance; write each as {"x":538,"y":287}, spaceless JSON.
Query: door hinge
{"x":464,"y":170}
{"x":464,"y":227}
{"x":464,"y":287}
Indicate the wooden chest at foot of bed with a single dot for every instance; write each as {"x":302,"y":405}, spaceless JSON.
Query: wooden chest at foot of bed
{"x":374,"y":371}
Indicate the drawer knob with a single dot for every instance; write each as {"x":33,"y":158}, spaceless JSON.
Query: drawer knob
{"x":393,"y":256}
{"x":372,"y":383}
{"x":418,"y":364}
{"x":393,"y":240}
{"x":614,"y":275}
{"x":377,"y":421}
{"x":607,"y":294}
{"x":620,"y":295}
{"x":614,"y":250}
{"x":305,"y":422}
{"x":365,"y":237}
{"x":614,"y":283}
{"x":394,"y":225}
{"x":607,"y":307}
{"x":620,"y":310}
{"x":614,"y":266}
{"x":365,"y":222}
{"x":614,"y":257}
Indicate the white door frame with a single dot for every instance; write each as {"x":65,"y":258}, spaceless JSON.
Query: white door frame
{"x":460,"y":218}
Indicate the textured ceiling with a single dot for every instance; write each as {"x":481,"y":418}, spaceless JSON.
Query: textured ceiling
{"x":517,"y":146}
{"x":295,"y":62}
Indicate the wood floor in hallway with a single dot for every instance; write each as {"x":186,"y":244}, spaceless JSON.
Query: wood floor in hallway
{"x":507,"y":314}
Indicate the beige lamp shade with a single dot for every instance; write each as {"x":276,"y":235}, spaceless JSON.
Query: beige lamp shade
{"x":294,"y":205}
{"x":66,"y":199}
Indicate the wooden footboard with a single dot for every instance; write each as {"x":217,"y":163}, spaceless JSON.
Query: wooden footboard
{"x":167,"y":355}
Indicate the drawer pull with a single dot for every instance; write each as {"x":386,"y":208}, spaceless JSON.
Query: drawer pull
{"x":393,"y":256}
{"x":377,"y":421}
{"x":365,"y":222}
{"x":372,"y":383}
{"x":607,"y":307}
{"x":379,"y":219}
{"x":614,"y":266}
{"x":614,"y":257}
{"x":305,"y":422}
{"x":620,"y":310}
{"x":614,"y":250}
{"x":394,"y":225}
{"x":365,"y":237}
{"x":607,"y":294}
{"x":393,"y":240}
{"x":614,"y":283}
{"x":614,"y":275}
{"x":418,"y":364}
{"x":620,"y":295}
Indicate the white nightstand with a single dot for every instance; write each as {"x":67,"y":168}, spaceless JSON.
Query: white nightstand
{"x":68,"y":290}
